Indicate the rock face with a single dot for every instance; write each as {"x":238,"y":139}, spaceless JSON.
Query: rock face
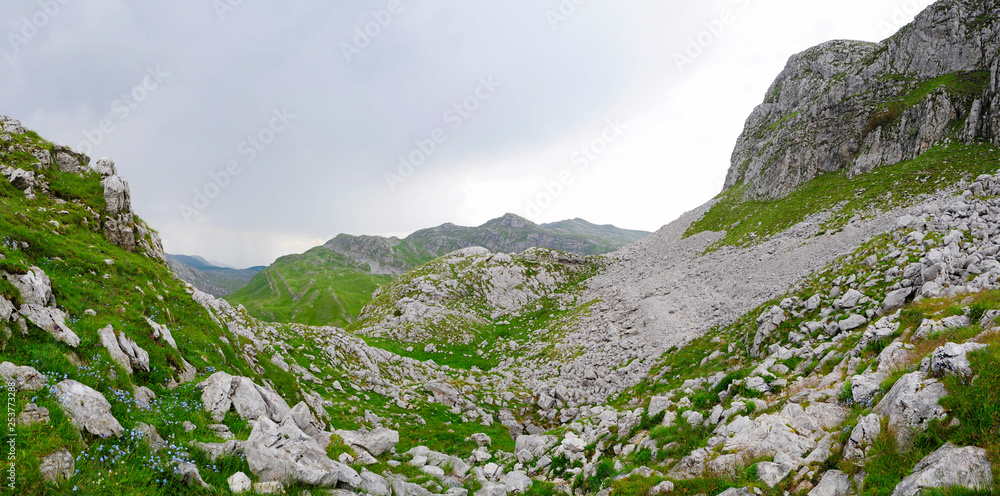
{"x":949,"y":466}
{"x":120,"y":224}
{"x":833,"y":108}
{"x":87,"y":409}
{"x":222,"y":391}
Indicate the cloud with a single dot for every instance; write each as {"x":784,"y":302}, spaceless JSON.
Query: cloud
{"x":564,"y":68}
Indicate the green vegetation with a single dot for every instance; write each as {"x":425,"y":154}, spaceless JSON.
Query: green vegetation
{"x":964,"y":85}
{"x":319,"y":287}
{"x":748,"y":221}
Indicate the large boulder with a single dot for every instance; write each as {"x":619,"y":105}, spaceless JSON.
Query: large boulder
{"x":949,"y":466}
{"x":952,"y":359}
{"x":833,"y":483}
{"x":375,"y":442}
{"x":282,"y":452}
{"x":38,"y":305}
{"x":87,"y":409}
{"x":23,"y":378}
{"x":911,"y":404}
{"x":222,"y":392}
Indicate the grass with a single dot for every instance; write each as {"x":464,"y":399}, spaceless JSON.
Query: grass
{"x":747,"y":221}
{"x":965,"y":85}
{"x":319,"y":287}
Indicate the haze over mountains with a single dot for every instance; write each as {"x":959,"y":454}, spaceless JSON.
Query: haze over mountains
{"x":329,"y":284}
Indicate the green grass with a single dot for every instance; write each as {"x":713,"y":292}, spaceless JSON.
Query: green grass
{"x":319,"y":287}
{"x":965,"y":85}
{"x":747,"y":221}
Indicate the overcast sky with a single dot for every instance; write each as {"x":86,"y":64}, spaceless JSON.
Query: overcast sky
{"x":384,"y":117}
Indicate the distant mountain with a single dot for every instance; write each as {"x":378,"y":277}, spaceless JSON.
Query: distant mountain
{"x":208,"y":276}
{"x":329,"y":284}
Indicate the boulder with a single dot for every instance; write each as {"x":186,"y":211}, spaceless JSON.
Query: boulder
{"x":658,"y":404}
{"x":23,"y":378}
{"x":162,"y":332}
{"x":517,"y":482}
{"x":482,"y":439}
{"x":852,"y":322}
{"x":952,"y":359}
{"x":949,"y":466}
{"x":58,"y":466}
{"x":492,"y":489}
{"x":863,"y":435}
{"x":222,"y":392}
{"x":895,"y":300}
{"x":143,"y":397}
{"x":374,"y":484}
{"x":772,"y":473}
{"x":87,"y":409}
{"x":443,"y":393}
{"x":911,"y":404}
{"x":282,"y":452}
{"x":376,"y":442}
{"x":239,"y":483}
{"x":123,"y":350}
{"x":664,"y":487}
{"x":833,"y":483}
{"x":33,"y":414}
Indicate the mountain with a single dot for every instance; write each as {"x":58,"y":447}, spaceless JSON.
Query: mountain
{"x":210,"y":277}
{"x":854,"y":106}
{"x":330,"y":284}
{"x":838,"y":337}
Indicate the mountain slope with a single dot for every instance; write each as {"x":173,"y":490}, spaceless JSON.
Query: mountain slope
{"x":328,"y":285}
{"x":208,"y":277}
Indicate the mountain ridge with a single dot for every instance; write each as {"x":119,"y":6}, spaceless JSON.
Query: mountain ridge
{"x":329,"y":284}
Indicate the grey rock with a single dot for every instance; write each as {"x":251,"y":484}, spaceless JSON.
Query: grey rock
{"x":492,"y":489}
{"x":517,"y":482}
{"x":150,"y":435}
{"x":375,"y":442}
{"x":33,"y":414}
{"x":911,"y":404}
{"x":536,"y":444}
{"x":772,"y":473}
{"x":240,"y":483}
{"x":895,"y":300}
{"x":143,"y":397}
{"x":123,"y":350}
{"x":222,"y":392}
{"x":953,"y":359}
{"x":833,"y":483}
{"x":374,"y":484}
{"x":852,"y":322}
{"x":58,"y":466}
{"x":282,"y":452}
{"x":87,"y":409}
{"x":662,"y":488}
{"x":23,"y":378}
{"x":214,"y":451}
{"x":949,"y":466}
{"x":482,"y":439}
{"x":862,"y":437}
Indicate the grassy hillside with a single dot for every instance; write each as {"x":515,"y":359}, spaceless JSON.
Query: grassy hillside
{"x":318,"y":287}
{"x":749,"y":221}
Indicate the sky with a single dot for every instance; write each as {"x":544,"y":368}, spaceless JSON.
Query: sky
{"x":249,"y":129}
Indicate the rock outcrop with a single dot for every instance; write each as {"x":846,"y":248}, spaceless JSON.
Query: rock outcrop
{"x":854,"y":106}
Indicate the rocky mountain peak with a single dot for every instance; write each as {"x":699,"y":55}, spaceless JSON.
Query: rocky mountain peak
{"x":855,"y":106}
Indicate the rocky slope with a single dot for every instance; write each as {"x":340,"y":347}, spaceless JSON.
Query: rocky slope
{"x":842,"y":339}
{"x":854,"y":106}
{"x":330,"y":284}
{"x":210,"y":278}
